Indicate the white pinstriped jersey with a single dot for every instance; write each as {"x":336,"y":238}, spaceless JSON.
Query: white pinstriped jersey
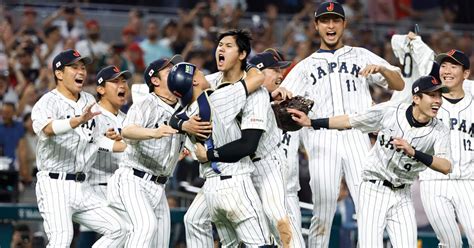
{"x":224,"y":127}
{"x":459,"y":118}
{"x":417,"y":64}
{"x":333,"y":81}
{"x":256,"y":114}
{"x":290,"y":143}
{"x":106,"y":162}
{"x":384,"y":162}
{"x":155,"y":156}
{"x":73,"y":151}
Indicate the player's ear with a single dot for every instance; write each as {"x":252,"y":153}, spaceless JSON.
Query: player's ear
{"x":316,"y":25}
{"x":59,"y":74}
{"x":242,"y":56}
{"x":100,"y":90}
{"x":416,"y":99}
{"x":466,"y":73}
{"x":155,"y":81}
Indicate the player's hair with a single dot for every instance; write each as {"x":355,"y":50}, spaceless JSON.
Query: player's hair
{"x":242,"y":39}
{"x":420,"y":95}
{"x":54,"y":74}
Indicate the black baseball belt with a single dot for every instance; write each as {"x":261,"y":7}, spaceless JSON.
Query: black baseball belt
{"x":78,"y":176}
{"x":157,"y":179}
{"x":388,"y":184}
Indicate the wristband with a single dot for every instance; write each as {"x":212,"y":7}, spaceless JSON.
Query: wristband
{"x":105,"y":144}
{"x":424,"y":158}
{"x":61,"y":126}
{"x":320,"y":123}
{"x":212,"y":155}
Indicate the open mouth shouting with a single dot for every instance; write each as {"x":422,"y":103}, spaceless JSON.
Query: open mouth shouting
{"x":220,"y":60}
{"x":435,"y":108}
{"x":331,"y":35}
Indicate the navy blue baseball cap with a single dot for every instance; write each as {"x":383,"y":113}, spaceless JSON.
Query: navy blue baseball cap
{"x":268,"y":60}
{"x":456,"y":56}
{"x":68,"y":57}
{"x":110,"y":73}
{"x":180,"y":82}
{"x":427,"y":84}
{"x":154,"y":67}
{"x":330,"y":7}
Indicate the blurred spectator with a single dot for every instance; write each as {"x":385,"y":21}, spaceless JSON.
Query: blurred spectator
{"x":27,"y":157}
{"x":353,"y":11}
{"x":21,"y":237}
{"x":184,"y":39}
{"x":28,"y":99}
{"x":429,"y":12}
{"x":128,"y":36}
{"x":92,"y":46}
{"x":11,"y":132}
{"x":28,"y":26}
{"x":460,"y":9}
{"x":70,"y":27}
{"x":381,"y":11}
{"x":207,"y":25}
{"x":7,"y":93}
{"x":134,"y":55}
{"x":152,"y":50}
{"x":53,"y":44}
{"x":404,"y":11}
{"x":135,"y":17}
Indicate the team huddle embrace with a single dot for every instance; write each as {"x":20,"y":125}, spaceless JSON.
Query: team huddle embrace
{"x":108,"y":170}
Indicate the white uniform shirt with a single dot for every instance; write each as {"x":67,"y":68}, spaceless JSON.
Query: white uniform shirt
{"x":73,"y":151}
{"x":225,"y":128}
{"x":384,"y":162}
{"x":154,"y":156}
{"x":106,"y":162}
{"x":459,"y":118}
{"x":333,"y":81}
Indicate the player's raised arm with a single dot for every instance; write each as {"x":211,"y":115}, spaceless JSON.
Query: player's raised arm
{"x":56,"y":127}
{"x":135,"y":132}
{"x":336,"y":122}
{"x":393,"y":77}
{"x":434,"y":162}
{"x":254,"y":80}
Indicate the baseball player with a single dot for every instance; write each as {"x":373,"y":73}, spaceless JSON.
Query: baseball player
{"x":268,"y":179}
{"x":68,"y":142}
{"x":228,"y":192}
{"x":337,"y":78}
{"x":410,"y":139}
{"x":272,"y":63}
{"x":112,"y":90}
{"x":138,"y":186}
{"x":448,"y":197}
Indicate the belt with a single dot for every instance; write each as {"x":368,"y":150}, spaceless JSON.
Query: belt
{"x":225,"y":177}
{"x":156,"y":179}
{"x":78,"y":177}
{"x":389,"y":184}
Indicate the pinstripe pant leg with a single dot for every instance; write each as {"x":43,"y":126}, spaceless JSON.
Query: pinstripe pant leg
{"x":373,"y":206}
{"x":401,"y":223}
{"x":106,"y":221}
{"x":53,"y":204}
{"x":197,"y":222}
{"x":164,"y":222}
{"x":325,"y":167}
{"x":440,"y":211}
{"x":294,"y":213}
{"x":464,"y":190}
{"x":140,"y":212}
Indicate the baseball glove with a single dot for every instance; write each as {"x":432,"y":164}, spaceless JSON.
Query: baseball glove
{"x":282,"y":116}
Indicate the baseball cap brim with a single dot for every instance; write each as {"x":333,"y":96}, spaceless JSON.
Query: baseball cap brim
{"x":329,"y":13}
{"x":126,"y":74}
{"x":282,"y":64}
{"x":441,"y":87}
{"x":173,"y":61}
{"x":86,"y":60}
{"x":441,"y":57}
